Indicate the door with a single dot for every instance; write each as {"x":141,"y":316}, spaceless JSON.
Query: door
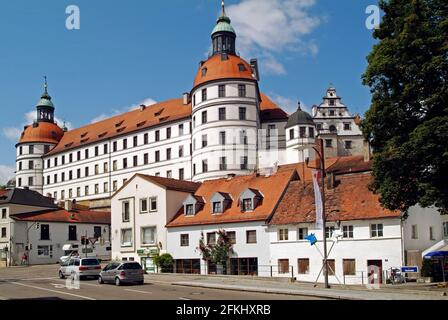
{"x":375,"y":271}
{"x":148,"y":265}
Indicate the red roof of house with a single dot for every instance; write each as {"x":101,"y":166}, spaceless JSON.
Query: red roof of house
{"x":62,"y":215}
{"x":351,"y":199}
{"x":271,"y":188}
{"x":173,"y":184}
{"x":42,"y":132}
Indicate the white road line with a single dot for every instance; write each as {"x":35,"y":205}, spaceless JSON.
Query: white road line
{"x":138,"y":291}
{"x":81,"y":283}
{"x":182,"y":298}
{"x":55,"y":291}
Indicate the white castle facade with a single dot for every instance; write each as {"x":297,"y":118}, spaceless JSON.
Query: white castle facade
{"x":223,"y":126}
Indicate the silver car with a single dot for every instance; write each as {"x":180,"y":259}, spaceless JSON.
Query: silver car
{"x":80,"y":268}
{"x":122,"y":272}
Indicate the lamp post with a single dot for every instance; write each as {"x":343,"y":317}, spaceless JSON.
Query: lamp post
{"x":319,"y":148}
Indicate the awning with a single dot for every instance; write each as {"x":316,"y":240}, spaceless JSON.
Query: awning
{"x":436,"y":254}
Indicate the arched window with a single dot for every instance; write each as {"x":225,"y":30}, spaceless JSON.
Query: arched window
{"x":333,"y":128}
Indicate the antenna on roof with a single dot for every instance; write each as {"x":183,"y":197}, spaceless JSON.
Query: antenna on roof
{"x":45,"y":85}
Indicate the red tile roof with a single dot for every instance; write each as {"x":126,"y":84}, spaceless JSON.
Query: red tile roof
{"x":172,"y":184}
{"x":351,"y":199}
{"x":42,"y":132}
{"x":217,"y":68}
{"x":271,"y":188}
{"x":61,"y":215}
{"x":270,"y":111}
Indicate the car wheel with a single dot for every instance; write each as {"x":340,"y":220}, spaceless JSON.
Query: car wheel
{"x":61,"y":275}
{"x":117,"y":282}
{"x":100,"y":280}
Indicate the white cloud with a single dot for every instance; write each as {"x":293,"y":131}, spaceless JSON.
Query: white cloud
{"x":267,"y":28}
{"x":6,"y":173}
{"x":288,"y":104}
{"x":103,"y":116}
{"x":12,"y":133}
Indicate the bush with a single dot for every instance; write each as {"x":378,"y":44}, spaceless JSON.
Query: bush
{"x":165,"y":262}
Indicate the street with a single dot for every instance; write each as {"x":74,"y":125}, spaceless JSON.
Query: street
{"x":41,"y":282}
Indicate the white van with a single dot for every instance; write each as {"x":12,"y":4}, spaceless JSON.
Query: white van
{"x":102,"y":252}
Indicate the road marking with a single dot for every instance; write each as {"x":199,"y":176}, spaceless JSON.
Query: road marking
{"x":182,"y":298}
{"x":55,"y":291}
{"x":81,"y":283}
{"x":138,"y":291}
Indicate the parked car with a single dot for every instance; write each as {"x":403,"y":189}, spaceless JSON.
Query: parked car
{"x":80,"y":268}
{"x":122,"y":272}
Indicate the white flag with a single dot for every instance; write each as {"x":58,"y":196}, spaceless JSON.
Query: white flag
{"x":318,"y":200}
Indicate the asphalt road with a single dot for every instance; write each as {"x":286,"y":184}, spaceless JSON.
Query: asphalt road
{"x":41,"y":282}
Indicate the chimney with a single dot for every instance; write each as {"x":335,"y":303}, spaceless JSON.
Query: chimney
{"x":186,"y":98}
{"x":142,"y":107}
{"x":367,"y":151}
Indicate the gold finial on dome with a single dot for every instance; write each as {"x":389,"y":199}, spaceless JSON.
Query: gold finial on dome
{"x":223,"y":6}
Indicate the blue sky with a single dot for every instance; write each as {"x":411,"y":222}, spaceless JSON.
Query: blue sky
{"x":131,"y":51}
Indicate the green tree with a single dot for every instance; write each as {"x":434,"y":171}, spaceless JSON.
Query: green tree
{"x":165,"y":262}
{"x":407,"y":123}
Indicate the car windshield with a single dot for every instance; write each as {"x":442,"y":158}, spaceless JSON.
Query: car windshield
{"x":90,"y":262}
{"x":132,"y":266}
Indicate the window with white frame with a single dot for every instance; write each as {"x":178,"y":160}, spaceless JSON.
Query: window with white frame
{"x":302,"y":234}
{"x":347,"y":232}
{"x":217,"y":207}
{"x":153,"y":204}
{"x":376,"y":230}
{"x":144,"y":205}
{"x":126,"y":237}
{"x":4,"y":213}
{"x":283,"y":235}
{"x":125,"y":211}
{"x":149,"y":235}
{"x":189,"y":210}
{"x":184,"y":240}
{"x":247,"y":205}
{"x":43,"y":251}
{"x":329,"y":232}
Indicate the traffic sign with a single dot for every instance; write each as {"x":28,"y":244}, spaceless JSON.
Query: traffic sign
{"x":409,"y":269}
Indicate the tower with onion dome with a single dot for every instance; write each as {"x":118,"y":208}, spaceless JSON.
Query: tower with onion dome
{"x":35,"y":141}
{"x":225,"y":109}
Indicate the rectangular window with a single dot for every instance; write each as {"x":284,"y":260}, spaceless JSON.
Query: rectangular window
{"x":222,"y":114}
{"x":217,"y":207}
{"x":97,"y":169}
{"x":157,"y":157}
{"x":78,"y":192}
{"x":86,"y":154}
{"x":125,"y":144}
{"x":291,"y":134}
{"x":184,"y":240}
{"x":126,"y":211}
{"x":348,"y":144}
{"x":244,"y":163}
{"x":78,"y":156}
{"x":181,"y":130}
{"x":106,"y":187}
{"x":145,"y":138}
{"x":97,"y":188}
{"x":347,"y":232}
{"x":3,"y":233}
{"x":157,"y":135}
{"x":302,"y":132}
{"x":169,"y":174}
{"x":303,"y":266}
{"x":243,"y":137}
{"x":376,"y":230}
{"x":86,"y":171}
{"x":311,"y":132}
{"x":242,"y":113}
{"x":135,"y":140}
{"x":4,"y":213}
{"x":105,"y":167}
{"x":145,"y":158}
{"x":181,"y":151}
{"x":181,"y":174}
{"x":86,"y":191}
{"x":168,"y":133}
{"x":97,"y":153}
{"x":283,"y":235}
{"x":204,"y":140}
{"x":126,"y":237}
{"x":242,"y":90}
{"x":347,"y":126}
{"x":149,"y":235}
{"x":153,"y":204}
{"x":31,"y":149}
{"x":125,"y":163}
{"x":115,"y":165}
{"x":222,"y":138}
{"x":168,"y":154}
{"x":331,"y":267}
{"x":204,"y":94}
{"x":303,"y":233}
{"x":43,"y":251}
{"x":97,"y":232}
{"x":283,"y":266}
{"x":105,"y":149}
{"x":44,"y":232}
{"x":204,"y":166}
{"x":222,"y":163}
{"x":72,"y":234}
{"x":115,"y":146}
{"x":232,"y":236}
{"x":222,"y":90}
{"x":349,"y":266}
{"x":328,"y":143}
{"x":189,"y":210}
{"x":211,"y":238}
{"x":115,"y":185}
{"x":431,"y":234}
{"x":204,"y":117}
{"x":414,"y":232}
{"x":30,"y":181}
{"x":247,"y":205}
{"x":329,"y":232}
{"x":135,"y":161}
{"x":251,"y":236}
{"x":445,"y":229}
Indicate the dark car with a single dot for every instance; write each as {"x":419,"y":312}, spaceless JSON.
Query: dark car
{"x":122,"y":273}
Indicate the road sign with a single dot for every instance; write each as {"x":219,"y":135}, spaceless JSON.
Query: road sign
{"x":93,"y":241}
{"x":411,"y":269}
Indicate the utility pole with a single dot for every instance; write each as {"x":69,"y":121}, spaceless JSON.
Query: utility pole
{"x":324,"y":213}
{"x":85,"y":244}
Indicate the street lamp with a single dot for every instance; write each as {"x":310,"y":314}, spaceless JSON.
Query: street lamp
{"x":319,"y":148}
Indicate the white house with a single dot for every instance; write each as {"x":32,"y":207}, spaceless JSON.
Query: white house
{"x":239,"y":205}
{"x":140,"y":211}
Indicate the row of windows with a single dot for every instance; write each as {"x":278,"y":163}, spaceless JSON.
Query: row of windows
{"x":432,"y":236}
{"x":76,"y":193}
{"x":243,"y":165}
{"x":31,"y":149}
{"x":222,"y":92}
{"x":222,"y":115}
{"x":376,"y":231}
{"x":104,"y":150}
{"x":243,"y":139}
{"x":302,"y":133}
{"x":332,"y":128}
{"x":45,"y":234}
{"x":148,"y":236}
{"x":211,"y":238}
{"x":105,"y":167}
{"x":303,"y":266}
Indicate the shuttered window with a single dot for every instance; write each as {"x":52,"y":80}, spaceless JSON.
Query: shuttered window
{"x":304,"y":266}
{"x":349,"y":267}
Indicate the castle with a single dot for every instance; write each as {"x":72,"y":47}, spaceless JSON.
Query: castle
{"x":223,"y":126}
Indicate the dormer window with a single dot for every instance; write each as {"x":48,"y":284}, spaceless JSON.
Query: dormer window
{"x":204,"y":72}
{"x":242,"y":67}
{"x":217,"y":207}
{"x":189,"y":210}
{"x":220,"y":202}
{"x":192,"y":205}
{"x":247,"y":205}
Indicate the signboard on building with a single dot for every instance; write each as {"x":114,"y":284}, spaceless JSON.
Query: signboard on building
{"x":409,"y":269}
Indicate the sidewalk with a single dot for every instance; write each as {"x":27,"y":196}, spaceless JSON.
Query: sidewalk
{"x":272,"y":285}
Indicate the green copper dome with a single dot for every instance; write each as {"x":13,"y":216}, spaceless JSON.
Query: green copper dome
{"x":44,"y":102}
{"x":299,"y":117}
{"x":223,"y":25}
